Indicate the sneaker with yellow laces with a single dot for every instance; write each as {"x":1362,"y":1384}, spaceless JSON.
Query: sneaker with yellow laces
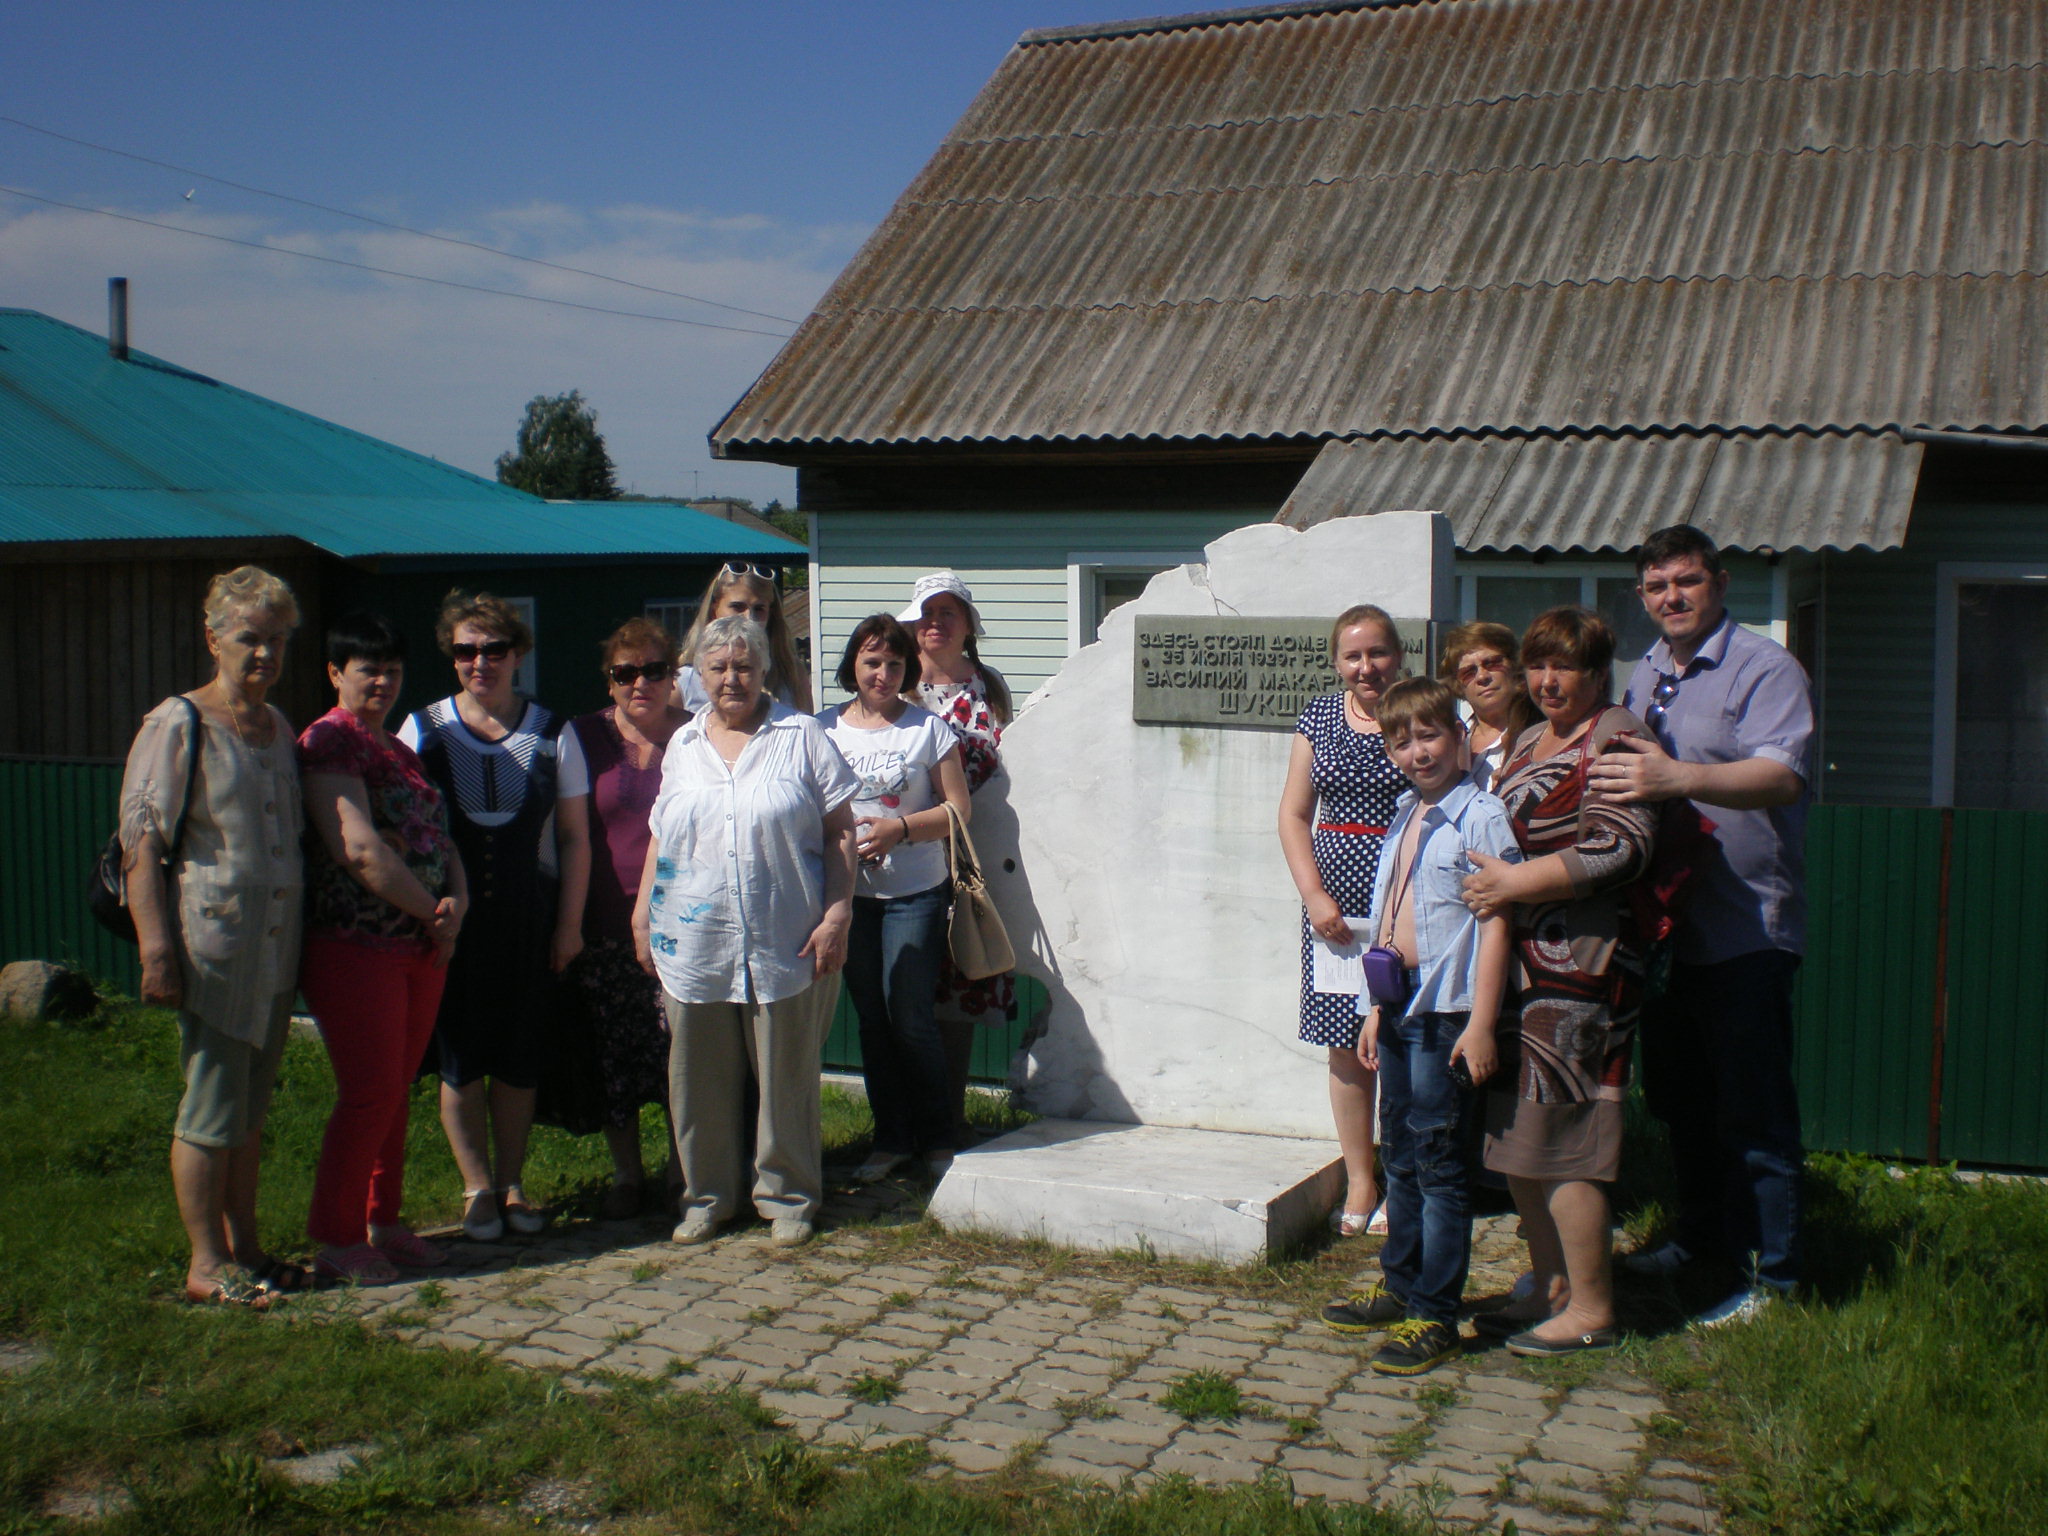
{"x":1414,"y":1346}
{"x":1374,"y":1307}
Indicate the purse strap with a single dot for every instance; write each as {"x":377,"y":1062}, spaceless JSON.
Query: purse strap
{"x":191,"y":773}
{"x":960,"y":852}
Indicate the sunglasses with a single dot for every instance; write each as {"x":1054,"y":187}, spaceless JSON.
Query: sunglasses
{"x":1660,"y":701}
{"x":624,"y":674}
{"x":765,"y":573}
{"x":1473,"y":669}
{"x":490,"y":650}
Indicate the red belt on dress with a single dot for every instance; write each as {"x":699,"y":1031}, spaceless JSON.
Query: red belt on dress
{"x":1355,"y":828}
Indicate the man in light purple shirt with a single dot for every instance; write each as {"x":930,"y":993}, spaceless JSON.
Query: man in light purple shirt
{"x":1733,"y":720}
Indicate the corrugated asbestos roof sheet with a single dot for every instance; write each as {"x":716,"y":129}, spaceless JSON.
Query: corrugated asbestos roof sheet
{"x":1531,"y":215}
{"x":1833,"y":491}
{"x":92,"y":448}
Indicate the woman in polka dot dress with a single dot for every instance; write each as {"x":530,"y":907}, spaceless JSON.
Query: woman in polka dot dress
{"x":1341,"y":788}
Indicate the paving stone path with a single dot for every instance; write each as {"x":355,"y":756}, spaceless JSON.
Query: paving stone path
{"x":1031,"y":1360}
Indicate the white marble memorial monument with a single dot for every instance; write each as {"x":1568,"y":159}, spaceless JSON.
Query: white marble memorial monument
{"x":1139,"y":873}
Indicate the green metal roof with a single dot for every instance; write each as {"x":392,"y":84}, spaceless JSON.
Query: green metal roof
{"x":95,"y":448}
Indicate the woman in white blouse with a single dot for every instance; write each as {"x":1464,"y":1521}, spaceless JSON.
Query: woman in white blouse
{"x":210,"y":851}
{"x":908,"y":762}
{"x":742,"y":916}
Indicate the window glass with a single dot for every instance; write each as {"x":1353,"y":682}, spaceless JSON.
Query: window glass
{"x":1633,"y":631}
{"x":2001,"y":731}
{"x":1515,"y":600}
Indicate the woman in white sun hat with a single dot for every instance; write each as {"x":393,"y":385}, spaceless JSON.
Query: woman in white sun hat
{"x":954,"y":683}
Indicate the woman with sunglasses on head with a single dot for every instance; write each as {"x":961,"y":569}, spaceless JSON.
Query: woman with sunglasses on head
{"x":611,"y":773}
{"x":908,"y":764}
{"x":952,"y":681}
{"x":747,"y":591}
{"x":492,"y":753}
{"x":385,"y":899}
{"x":1478,"y":663}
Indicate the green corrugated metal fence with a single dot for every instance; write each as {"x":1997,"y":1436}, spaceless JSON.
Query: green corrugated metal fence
{"x":1866,"y":991}
{"x":55,"y":814}
{"x":1923,"y":1003}
{"x":993,"y":1048}
{"x":1994,"y":1073}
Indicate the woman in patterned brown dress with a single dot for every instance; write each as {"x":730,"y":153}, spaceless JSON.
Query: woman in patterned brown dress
{"x":1554,"y":1127}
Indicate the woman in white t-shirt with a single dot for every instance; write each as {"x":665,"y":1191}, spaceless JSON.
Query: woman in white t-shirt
{"x":908,"y":763}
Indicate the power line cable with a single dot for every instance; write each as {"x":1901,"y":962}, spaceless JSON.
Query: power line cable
{"x":424,"y":234}
{"x":417,"y":277}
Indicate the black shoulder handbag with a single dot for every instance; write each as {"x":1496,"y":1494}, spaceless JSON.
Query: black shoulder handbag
{"x":105,"y":889}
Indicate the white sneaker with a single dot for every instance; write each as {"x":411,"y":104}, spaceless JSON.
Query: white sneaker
{"x":1667,"y":1260}
{"x":697,"y":1226}
{"x":790,"y":1232}
{"x":1742,"y":1307}
{"x":878,"y":1167}
{"x":480,"y":1220}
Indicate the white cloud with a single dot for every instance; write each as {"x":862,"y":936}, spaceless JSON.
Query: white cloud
{"x":442,"y":371}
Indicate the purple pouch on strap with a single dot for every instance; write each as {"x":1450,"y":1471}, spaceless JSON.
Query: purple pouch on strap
{"x":1386,"y":979}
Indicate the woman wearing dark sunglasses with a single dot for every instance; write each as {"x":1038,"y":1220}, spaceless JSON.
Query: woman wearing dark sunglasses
{"x":492,"y":752}
{"x":611,"y":772}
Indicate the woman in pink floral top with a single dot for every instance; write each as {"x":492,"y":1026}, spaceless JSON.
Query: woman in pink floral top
{"x":385,"y":897}
{"x":954,"y":683}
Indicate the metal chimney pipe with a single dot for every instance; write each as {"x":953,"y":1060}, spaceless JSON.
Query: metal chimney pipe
{"x":117,"y":317}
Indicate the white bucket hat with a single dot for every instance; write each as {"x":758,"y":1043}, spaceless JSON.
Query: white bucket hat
{"x":929,"y":587}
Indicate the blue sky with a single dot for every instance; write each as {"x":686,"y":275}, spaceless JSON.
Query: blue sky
{"x":739,"y":152}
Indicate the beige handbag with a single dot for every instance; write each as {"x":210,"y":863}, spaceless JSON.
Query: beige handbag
{"x":974,"y":932}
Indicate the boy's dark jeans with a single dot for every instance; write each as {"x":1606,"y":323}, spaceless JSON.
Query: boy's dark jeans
{"x":1425,"y":1136}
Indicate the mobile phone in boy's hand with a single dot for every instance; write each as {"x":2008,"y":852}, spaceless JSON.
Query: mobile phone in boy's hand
{"x":1459,"y":1073}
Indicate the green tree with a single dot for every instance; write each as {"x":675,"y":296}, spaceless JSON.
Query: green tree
{"x":559,"y":452}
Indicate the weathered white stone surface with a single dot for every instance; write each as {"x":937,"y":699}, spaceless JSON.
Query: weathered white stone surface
{"x":1137,"y":866}
{"x":1191,"y":1194}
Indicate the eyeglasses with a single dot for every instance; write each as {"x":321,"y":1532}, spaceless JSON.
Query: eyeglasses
{"x":1660,"y":701}
{"x":766,"y":573}
{"x":1472,"y":669}
{"x":490,"y":650}
{"x":624,"y":673}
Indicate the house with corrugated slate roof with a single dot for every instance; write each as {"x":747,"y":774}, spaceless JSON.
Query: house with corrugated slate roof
{"x":127,"y":483}
{"x":1566,"y":270}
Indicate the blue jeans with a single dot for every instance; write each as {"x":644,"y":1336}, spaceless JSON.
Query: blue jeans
{"x":892,"y":974}
{"x":1426,"y":1124}
{"x":1717,"y":1070}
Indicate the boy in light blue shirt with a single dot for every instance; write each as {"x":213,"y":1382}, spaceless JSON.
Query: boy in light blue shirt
{"x":1434,"y":1046}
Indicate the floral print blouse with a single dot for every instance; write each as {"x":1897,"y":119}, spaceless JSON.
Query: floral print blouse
{"x":964,"y":706}
{"x":409,"y":814}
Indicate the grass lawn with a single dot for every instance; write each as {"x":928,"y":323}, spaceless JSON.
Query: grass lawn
{"x":179,"y":1405}
{"x":1908,"y":1396}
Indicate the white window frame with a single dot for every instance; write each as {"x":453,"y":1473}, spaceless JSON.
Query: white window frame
{"x":1084,"y":567}
{"x":525,"y":679}
{"x":1591,"y":572}
{"x":1949,"y":577}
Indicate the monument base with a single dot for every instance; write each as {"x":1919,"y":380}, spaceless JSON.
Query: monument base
{"x":1190,"y":1194}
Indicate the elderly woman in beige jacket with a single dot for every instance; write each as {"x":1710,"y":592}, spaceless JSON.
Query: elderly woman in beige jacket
{"x":219,"y":926}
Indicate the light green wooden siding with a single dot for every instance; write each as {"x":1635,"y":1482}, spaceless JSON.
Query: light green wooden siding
{"x":1878,"y":643}
{"x":1016,"y":563}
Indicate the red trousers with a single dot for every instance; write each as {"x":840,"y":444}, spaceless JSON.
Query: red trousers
{"x":375,"y":1009}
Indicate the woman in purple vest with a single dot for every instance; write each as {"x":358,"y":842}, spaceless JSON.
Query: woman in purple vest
{"x":611,"y":772}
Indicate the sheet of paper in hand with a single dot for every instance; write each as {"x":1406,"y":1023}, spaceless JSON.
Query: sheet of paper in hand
{"x":1341,"y":967}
